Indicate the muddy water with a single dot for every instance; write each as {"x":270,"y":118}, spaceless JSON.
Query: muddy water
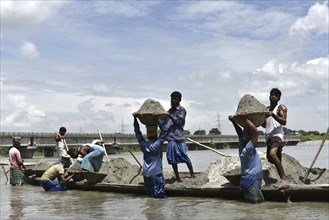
{"x":31,"y":202}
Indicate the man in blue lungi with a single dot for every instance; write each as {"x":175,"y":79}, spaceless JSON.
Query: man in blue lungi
{"x":176,"y":151}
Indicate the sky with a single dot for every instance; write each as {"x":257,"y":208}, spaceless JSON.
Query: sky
{"x":88,"y":65}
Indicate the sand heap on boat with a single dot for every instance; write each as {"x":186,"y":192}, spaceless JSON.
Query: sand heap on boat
{"x":145,"y":113}
{"x":122,"y":172}
{"x":252,"y":109}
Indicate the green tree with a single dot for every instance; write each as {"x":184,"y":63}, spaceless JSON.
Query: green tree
{"x":200,"y":132}
{"x":187,"y":132}
{"x":214,"y":131}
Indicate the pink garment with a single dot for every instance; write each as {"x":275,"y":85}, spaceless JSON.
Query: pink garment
{"x":15,"y":158}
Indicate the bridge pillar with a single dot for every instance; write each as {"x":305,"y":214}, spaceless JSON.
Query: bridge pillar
{"x":27,"y":152}
{"x":49,"y":152}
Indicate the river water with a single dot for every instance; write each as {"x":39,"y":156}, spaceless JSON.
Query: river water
{"x":32,"y":202}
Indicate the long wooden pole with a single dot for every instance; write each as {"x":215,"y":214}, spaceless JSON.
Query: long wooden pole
{"x":67,"y":149}
{"x":100,"y":136}
{"x":135,"y":158}
{"x":317,"y":154}
{"x":4,"y":170}
{"x":205,"y":146}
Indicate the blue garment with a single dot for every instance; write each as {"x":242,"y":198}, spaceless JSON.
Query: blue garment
{"x":154,"y":186}
{"x":177,"y":152}
{"x":251,"y":166}
{"x":52,"y":185}
{"x":94,"y":159}
{"x":176,"y":126}
{"x":152,"y":150}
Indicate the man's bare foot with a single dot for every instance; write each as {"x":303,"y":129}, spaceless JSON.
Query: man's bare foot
{"x":192,"y":176}
{"x":179,"y":179}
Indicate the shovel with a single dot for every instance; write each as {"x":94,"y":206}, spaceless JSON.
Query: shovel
{"x":100,"y":136}
{"x":140,"y":167}
{"x":205,"y":146}
{"x":305,"y":180}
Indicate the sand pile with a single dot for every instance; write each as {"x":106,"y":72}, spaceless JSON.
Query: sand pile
{"x":121,"y":171}
{"x":254,"y":110}
{"x":42,"y":165}
{"x":145,"y":113}
{"x":75,"y":168}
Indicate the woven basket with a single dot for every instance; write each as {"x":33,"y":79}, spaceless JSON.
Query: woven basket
{"x":251,"y":108}
{"x":258,"y":118}
{"x":94,"y":178}
{"x":149,"y":119}
{"x":77,"y":176}
{"x":233,"y":176}
{"x":145,"y":112}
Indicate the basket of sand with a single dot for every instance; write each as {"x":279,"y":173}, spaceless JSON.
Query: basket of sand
{"x":252,"y":109}
{"x":233,"y":176}
{"x":94,"y":178}
{"x":145,"y":112}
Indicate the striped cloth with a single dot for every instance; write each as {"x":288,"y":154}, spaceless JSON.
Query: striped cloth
{"x":16,"y":177}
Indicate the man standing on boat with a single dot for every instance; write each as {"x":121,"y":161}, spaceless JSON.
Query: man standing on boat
{"x":251,"y":166}
{"x":59,"y":138}
{"x":177,"y":151}
{"x":276,"y":118}
{"x":152,"y":153}
{"x":16,"y":163}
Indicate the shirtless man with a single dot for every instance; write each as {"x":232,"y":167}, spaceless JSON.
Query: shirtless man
{"x":276,"y":119}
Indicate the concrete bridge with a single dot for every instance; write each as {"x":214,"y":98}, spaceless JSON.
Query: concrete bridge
{"x":33,"y":141}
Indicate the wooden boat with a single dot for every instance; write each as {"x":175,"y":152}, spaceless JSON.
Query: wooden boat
{"x":295,"y":193}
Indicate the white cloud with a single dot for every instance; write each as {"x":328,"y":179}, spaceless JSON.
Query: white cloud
{"x":22,"y":113}
{"x":308,"y":78}
{"x":125,"y":8}
{"x":102,"y":59}
{"x":29,"y":50}
{"x":232,"y":18}
{"x":316,"y":20}
{"x":21,"y":14}
{"x":316,"y":69}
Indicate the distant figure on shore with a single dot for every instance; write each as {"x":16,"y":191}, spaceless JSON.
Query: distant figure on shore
{"x":276,"y":118}
{"x":48,"y":179}
{"x":91,"y":156}
{"x":59,"y":138}
{"x":16,"y":163}
{"x":251,"y":165}
{"x":152,"y":153}
{"x":176,"y":150}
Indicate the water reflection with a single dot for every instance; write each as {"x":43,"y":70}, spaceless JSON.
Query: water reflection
{"x":155,"y":208}
{"x":32,"y":202}
{"x":16,"y":203}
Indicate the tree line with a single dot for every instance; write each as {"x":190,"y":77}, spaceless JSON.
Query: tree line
{"x":287,"y":131}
